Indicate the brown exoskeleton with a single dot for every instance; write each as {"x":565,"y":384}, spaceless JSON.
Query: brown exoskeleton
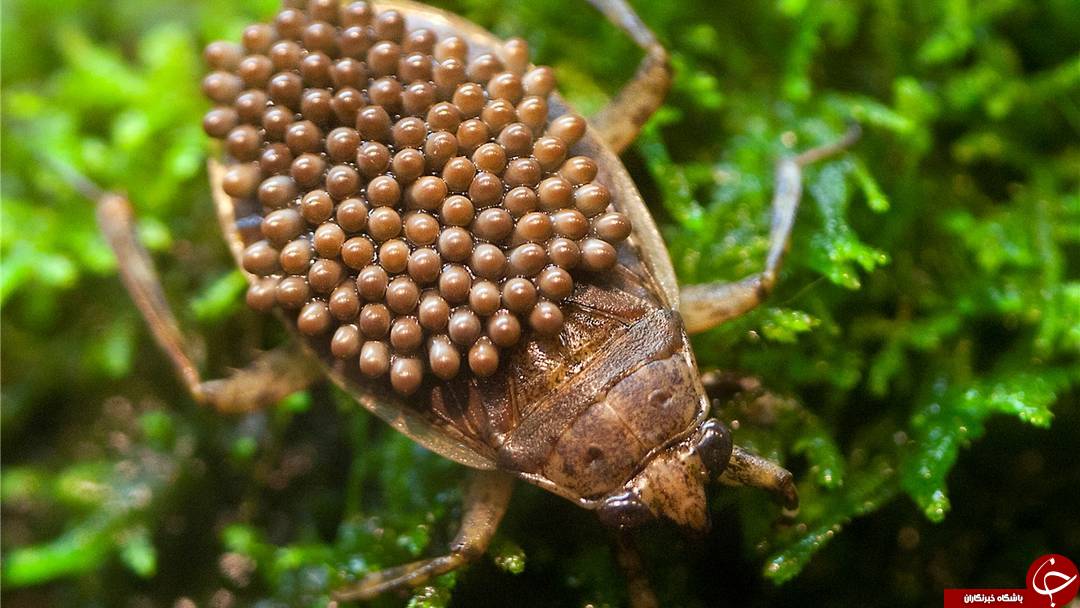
{"x":609,"y":413}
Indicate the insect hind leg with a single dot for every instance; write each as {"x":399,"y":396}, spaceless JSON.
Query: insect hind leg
{"x":485,"y":504}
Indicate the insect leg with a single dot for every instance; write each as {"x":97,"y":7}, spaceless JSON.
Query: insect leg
{"x":629,"y":559}
{"x":618,"y":123}
{"x":272,"y":376}
{"x":485,"y":503}
{"x":710,"y":304}
{"x":747,"y":469}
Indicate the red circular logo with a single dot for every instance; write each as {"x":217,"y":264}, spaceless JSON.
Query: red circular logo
{"x":1054,"y":578}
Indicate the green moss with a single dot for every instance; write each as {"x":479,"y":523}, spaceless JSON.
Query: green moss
{"x":920,"y":354}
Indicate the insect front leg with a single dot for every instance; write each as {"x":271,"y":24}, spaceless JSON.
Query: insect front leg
{"x":485,"y":504}
{"x":748,"y":469}
{"x":272,"y":376}
{"x":637,"y":581}
{"x":710,"y":304}
{"x":619,"y":122}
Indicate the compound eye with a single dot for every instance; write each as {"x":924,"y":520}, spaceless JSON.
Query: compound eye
{"x":624,"y":510}
{"x":714,"y":447}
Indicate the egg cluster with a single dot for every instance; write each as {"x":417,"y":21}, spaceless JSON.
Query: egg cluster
{"x":419,"y":208}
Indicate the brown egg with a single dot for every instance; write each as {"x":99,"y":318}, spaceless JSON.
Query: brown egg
{"x":546,"y":318}
{"x":260,"y":295}
{"x":282,"y":226}
{"x":371,"y":283}
{"x":222,"y":87}
{"x":612,"y":227}
{"x":346,"y":342}
{"x":292,"y":292}
{"x":346,"y":105}
{"x":527,"y":260}
{"x":471,"y":134}
{"x":357,"y":252}
{"x":320,"y":36}
{"x":424,"y":265}
{"x":390,"y":25}
{"x":484,"y":67}
{"x":355,"y":13}
{"x":483,"y":358}
{"x":314,"y":318}
{"x":464,"y":327}
{"x":439,"y":148}
{"x":285,"y":89}
{"x":276,"y":121}
{"x":250,"y":106}
{"x":490,"y":157}
{"x":328,"y":239}
{"x":484,"y":298}
{"x":520,"y":200}
{"x":277,"y":191}
{"x":218,"y":122}
{"x":426,"y":193}
{"x":494,"y":224}
{"x":555,"y":193}
{"x":533,"y":227}
{"x":342,"y":182}
{"x":523,"y":171}
{"x":417,"y":98}
{"x":290,"y":23}
{"x":382,"y":58}
{"x":539,"y":81}
{"x":487,"y":261}
{"x":517,"y":138}
{"x":285,"y":55}
{"x":349,"y":72}
{"x":406,"y":374}
{"x":470,"y":99}
{"x":394,"y":256}
{"x":372,"y":159}
{"x":406,"y":335}
{"x":344,"y":302}
{"x":303,"y":136}
{"x":374,"y":321}
{"x":307,"y":170}
{"x":373,"y":124}
{"x":456,"y":211}
{"x":564,"y":252}
{"x":324,"y":275}
{"x":242,"y":180}
{"x":383,"y":191}
{"x":597,"y":255}
{"x":354,"y":42}
{"x":455,"y":283}
{"x":315,"y":69}
{"x":342,"y":144}
{"x":324,"y":10}
{"x":407,"y":165}
{"x":448,"y":75}
{"x":420,"y":41}
{"x":444,"y":116}
{"x":516,"y":54}
{"x":434,"y":312}
{"x":261,"y":258}
{"x":458,"y":173}
{"x":455,"y":244}
{"x":486,"y":189}
{"x":387,"y":93}
{"x":533,"y":112}
{"x":579,"y":170}
{"x":519,"y":295}
{"x":421,"y":228}
{"x":316,"y":206}
{"x":296,"y":257}
{"x":352,"y":215}
{"x":569,"y":127}
{"x":223,"y":56}
{"x":504,"y":329}
{"x":374,"y":358}
{"x":443,"y":359}
{"x":409,"y":132}
{"x":402,"y":295}
{"x":592,"y":199}
{"x":276,"y":159}
{"x":570,"y":223}
{"x":452,"y":46}
{"x":555,"y":283}
{"x":243,"y":143}
{"x":498,"y":113}
{"x":549,"y":152}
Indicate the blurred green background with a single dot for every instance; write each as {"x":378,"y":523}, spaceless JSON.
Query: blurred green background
{"x":920,"y":355}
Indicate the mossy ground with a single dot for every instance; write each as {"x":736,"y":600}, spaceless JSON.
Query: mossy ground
{"x":923,"y":344}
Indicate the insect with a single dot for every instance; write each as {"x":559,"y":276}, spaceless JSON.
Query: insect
{"x":469,"y":259}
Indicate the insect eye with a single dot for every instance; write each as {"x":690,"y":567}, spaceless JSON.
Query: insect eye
{"x":714,"y":446}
